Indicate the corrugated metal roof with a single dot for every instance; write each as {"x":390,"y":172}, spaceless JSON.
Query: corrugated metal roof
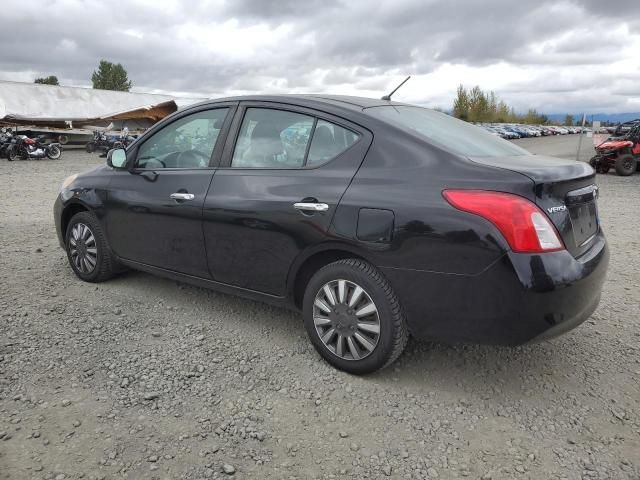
{"x":42,"y":103}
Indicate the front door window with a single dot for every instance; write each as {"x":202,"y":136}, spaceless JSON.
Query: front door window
{"x":186,"y":143}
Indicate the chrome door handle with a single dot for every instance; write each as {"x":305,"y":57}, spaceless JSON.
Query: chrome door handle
{"x":182,"y":196}
{"x":311,"y":207}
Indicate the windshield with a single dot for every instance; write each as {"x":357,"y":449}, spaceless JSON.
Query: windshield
{"x":448,"y":132}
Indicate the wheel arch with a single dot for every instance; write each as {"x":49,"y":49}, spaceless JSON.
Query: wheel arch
{"x":306,"y":265}
{"x":68,"y":212}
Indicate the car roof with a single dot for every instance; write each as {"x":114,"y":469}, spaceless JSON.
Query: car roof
{"x":312,"y":100}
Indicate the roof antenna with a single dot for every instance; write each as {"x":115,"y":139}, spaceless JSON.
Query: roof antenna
{"x":388,"y":97}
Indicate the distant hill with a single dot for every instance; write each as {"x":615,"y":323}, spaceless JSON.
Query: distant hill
{"x":603,"y":117}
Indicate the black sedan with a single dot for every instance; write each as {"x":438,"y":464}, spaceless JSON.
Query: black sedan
{"x":374,"y":218}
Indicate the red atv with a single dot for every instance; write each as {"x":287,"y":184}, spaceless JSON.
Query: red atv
{"x":622,"y":153}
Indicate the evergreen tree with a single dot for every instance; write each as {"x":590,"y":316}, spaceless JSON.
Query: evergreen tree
{"x":110,"y":76}
{"x":50,"y":80}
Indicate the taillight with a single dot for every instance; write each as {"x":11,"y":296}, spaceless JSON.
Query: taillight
{"x":525,"y":227}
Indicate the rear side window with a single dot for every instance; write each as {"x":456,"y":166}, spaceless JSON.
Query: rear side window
{"x":271,"y":138}
{"x":329,"y":141}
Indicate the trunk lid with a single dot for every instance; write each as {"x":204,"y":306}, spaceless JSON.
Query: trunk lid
{"x":565,"y":191}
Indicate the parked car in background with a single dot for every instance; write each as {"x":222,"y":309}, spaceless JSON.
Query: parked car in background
{"x":513,"y":131}
{"x":505,"y":133}
{"x":375,"y":219}
{"x":559,"y":130}
{"x":520,"y":130}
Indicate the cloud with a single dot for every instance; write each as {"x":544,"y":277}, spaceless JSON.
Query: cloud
{"x":549,"y":55}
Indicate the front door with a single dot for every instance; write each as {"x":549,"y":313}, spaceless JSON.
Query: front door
{"x":276,"y":191}
{"x":154,"y":211}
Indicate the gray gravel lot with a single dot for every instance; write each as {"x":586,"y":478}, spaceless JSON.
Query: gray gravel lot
{"x":141,"y":377}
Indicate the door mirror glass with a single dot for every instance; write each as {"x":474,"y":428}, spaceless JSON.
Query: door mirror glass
{"x":117,"y":158}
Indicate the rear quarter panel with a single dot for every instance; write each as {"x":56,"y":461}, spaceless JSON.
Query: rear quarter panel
{"x":407,"y":176}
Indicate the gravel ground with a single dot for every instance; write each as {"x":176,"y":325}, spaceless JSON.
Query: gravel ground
{"x":142,"y":377}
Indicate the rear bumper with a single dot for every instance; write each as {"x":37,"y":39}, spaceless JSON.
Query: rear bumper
{"x":520,"y":298}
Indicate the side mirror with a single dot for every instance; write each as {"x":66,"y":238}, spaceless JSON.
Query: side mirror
{"x":117,"y":158}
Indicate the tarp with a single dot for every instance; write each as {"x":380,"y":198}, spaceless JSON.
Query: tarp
{"x":49,"y":104}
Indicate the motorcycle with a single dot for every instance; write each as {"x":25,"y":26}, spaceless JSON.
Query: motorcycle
{"x":102,"y":141}
{"x":6,"y":140}
{"x":26,"y":148}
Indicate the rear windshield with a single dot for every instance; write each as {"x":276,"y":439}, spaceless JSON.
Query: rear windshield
{"x":448,"y":132}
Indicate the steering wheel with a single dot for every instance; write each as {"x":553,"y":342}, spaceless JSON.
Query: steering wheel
{"x":151,"y":161}
{"x":203,"y":161}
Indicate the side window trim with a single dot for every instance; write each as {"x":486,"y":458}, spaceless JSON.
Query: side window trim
{"x":232,"y":137}
{"x":311,"y":133}
{"x":317,"y":115}
{"x":216,"y":154}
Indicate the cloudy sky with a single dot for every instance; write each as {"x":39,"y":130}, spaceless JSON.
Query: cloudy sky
{"x":556,"y":55}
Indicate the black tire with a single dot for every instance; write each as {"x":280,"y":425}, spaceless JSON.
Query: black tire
{"x":599,"y":165}
{"x":90,"y":147}
{"x":393,"y":333}
{"x":625,"y":165}
{"x":105,"y":265}
{"x":12,"y":154}
{"x":54,"y":152}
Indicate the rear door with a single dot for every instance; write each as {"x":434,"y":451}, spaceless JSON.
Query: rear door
{"x":282,"y":175}
{"x":154,"y":211}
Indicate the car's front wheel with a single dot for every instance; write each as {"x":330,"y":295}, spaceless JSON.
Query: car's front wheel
{"x":87,"y":250}
{"x":353,"y":317}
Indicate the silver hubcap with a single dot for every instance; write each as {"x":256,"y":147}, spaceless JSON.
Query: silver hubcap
{"x":346,"y":320}
{"x":83,"y":248}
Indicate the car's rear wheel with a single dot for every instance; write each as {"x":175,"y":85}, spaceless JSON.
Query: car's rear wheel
{"x":353,"y":317}
{"x":625,"y":165}
{"x":87,"y":250}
